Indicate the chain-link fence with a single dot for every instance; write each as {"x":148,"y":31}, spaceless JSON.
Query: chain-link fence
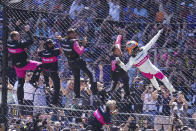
{"x":76,"y":118}
{"x":101,"y":21}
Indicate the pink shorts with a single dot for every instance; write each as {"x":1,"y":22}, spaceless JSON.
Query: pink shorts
{"x":158,"y":75}
{"x":21,"y":72}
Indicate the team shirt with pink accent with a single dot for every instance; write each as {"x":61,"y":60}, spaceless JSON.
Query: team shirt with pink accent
{"x":17,"y":51}
{"x":49,"y":59}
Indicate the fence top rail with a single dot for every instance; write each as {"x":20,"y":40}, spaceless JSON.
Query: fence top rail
{"x":78,"y":110}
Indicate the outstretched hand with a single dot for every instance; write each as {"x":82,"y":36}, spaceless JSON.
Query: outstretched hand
{"x":84,"y":41}
{"x":118,"y":62}
{"x":161,"y":30}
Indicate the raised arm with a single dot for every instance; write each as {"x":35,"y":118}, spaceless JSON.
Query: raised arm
{"x":123,"y":66}
{"x":101,"y":72}
{"x":77,"y":48}
{"x":29,"y":40}
{"x":60,"y":40}
{"x":152,"y":41}
{"x":40,"y":47}
{"x":118,"y":41}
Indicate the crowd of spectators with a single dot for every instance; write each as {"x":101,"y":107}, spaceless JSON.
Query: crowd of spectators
{"x":76,"y":120}
{"x":101,"y":21}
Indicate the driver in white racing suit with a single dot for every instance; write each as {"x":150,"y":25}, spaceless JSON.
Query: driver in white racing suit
{"x":140,"y":59}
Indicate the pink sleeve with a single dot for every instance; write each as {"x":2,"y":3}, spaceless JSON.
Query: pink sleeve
{"x":79,"y":50}
{"x":118,"y":41}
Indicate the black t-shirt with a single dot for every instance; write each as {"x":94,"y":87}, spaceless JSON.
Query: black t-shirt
{"x":49,"y":59}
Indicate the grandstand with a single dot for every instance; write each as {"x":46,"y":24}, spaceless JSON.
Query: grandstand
{"x":101,"y":21}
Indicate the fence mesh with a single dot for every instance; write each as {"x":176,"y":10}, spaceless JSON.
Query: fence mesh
{"x":60,"y":118}
{"x":101,"y":21}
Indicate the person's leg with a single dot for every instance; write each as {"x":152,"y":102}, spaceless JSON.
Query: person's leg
{"x":31,"y":108}
{"x":28,"y":110}
{"x":155,"y":83}
{"x":125,"y":78}
{"x":48,"y":101}
{"x":56,"y":80}
{"x":147,"y":75}
{"x":152,"y":79}
{"x":46,"y":78}
{"x":153,"y":114}
{"x":114,"y":82}
{"x":20,"y":90}
{"x":35,"y":77}
{"x":138,"y":107}
{"x":21,"y":80}
{"x":76,"y":73}
{"x":91,"y":76}
{"x":165,"y":81}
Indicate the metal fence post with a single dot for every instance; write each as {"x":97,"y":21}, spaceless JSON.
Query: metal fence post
{"x":4,"y":106}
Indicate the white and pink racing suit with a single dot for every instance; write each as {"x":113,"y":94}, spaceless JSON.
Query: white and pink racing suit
{"x":142,"y":62}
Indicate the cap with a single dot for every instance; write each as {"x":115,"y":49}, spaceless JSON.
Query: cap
{"x":49,"y":41}
{"x":71,"y":30}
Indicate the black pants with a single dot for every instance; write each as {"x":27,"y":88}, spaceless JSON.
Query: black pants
{"x":138,"y":108}
{"x":76,"y":66}
{"x":121,"y":74}
{"x":21,"y":81}
{"x":56,"y":84}
{"x":28,"y":110}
